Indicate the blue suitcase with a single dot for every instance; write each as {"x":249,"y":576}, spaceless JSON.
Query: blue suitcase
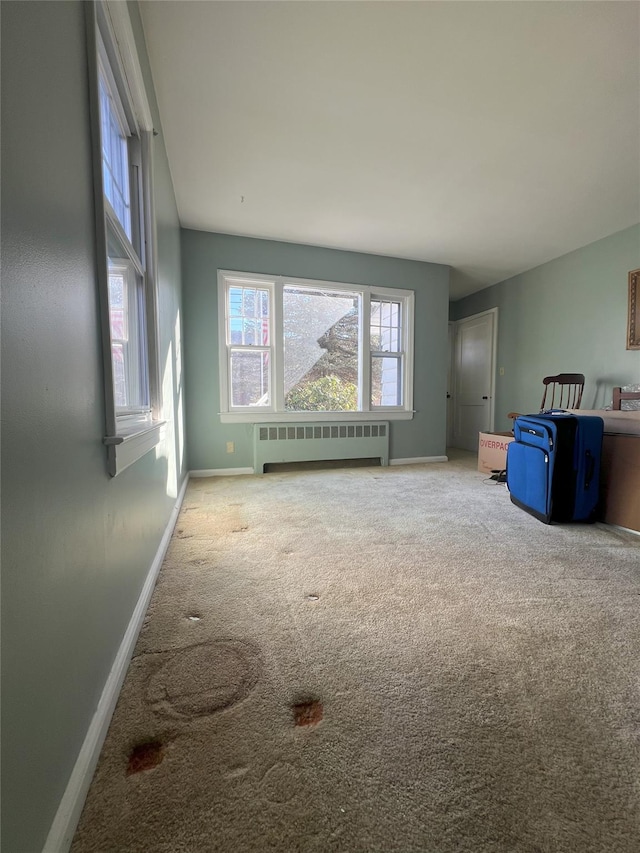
{"x":553,"y":466}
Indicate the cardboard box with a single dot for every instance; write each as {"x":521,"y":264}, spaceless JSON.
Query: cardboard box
{"x":492,"y":451}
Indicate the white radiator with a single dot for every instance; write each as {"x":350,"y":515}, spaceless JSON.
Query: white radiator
{"x":318,"y":442}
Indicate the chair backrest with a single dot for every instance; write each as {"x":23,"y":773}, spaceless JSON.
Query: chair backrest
{"x":619,"y":395}
{"x":563,"y":391}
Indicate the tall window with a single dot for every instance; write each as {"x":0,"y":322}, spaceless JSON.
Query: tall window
{"x":122,"y":188}
{"x":249,"y":345}
{"x":291,"y":347}
{"x":386,"y":352}
{"x":122,"y":150}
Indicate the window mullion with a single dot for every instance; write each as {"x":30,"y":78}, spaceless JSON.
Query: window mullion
{"x":407,"y":319}
{"x":133,"y":352}
{"x":364,"y":345}
{"x":148,"y":250}
{"x":224,"y":348}
{"x":136,"y":213}
{"x":249,"y":348}
{"x":277,"y":332}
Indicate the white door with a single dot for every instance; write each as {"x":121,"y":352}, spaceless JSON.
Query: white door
{"x":451,"y":372}
{"x":474,"y":380}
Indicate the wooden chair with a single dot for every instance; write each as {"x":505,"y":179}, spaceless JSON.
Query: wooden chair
{"x":568,"y":386}
{"x":563,"y":391}
{"x":619,"y":395}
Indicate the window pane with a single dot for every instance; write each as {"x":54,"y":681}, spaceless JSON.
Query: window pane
{"x":385,"y":326}
{"x":115,"y":159}
{"x":118,"y":304}
{"x":320,"y":350}
{"x":128,"y":348}
{"x":248,"y":316}
{"x":119,"y":326}
{"x":386,"y":381}
{"x":250,"y":378}
{"x":119,"y":376}
{"x":235,"y":330}
{"x":235,"y":302}
{"x":249,"y":302}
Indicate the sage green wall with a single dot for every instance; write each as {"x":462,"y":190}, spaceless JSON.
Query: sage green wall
{"x":76,"y":545}
{"x":565,"y":316}
{"x":204,"y":253}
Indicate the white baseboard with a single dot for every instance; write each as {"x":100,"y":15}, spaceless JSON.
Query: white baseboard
{"x":619,"y":527}
{"x":70,"y":808}
{"x":418,"y":460}
{"x":228,"y":472}
{"x":220,"y":472}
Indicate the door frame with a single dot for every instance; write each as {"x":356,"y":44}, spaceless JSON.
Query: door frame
{"x":451,"y":380}
{"x":494,"y":362}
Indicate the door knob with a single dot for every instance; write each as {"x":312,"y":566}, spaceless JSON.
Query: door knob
{"x":485,"y":398}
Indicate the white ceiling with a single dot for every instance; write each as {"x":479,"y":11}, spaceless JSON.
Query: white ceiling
{"x":492,"y":136}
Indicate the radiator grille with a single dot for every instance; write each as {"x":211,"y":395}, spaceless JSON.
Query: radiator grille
{"x":318,"y":442}
{"x":292,"y":433}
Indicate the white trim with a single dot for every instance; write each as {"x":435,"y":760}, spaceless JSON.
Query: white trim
{"x":219,"y":472}
{"x":151,"y":269}
{"x":123,"y":450}
{"x":70,"y":808}
{"x":120,"y":21}
{"x":257,"y":417}
{"x":619,"y":527}
{"x":276,"y":322}
{"x":408,"y":364}
{"x":364,"y":345}
{"x":451,"y":381}
{"x":418,"y":460}
{"x":229,"y":472}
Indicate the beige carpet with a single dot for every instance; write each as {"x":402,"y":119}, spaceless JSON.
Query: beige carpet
{"x":475,"y":671}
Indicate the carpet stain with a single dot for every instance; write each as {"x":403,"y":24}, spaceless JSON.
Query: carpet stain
{"x":144,"y":756}
{"x":204,"y":679}
{"x":307,"y":713}
{"x":240,"y":529}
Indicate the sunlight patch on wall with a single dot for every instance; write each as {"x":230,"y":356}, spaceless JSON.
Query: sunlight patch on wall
{"x":162,"y":450}
{"x":179,"y":392}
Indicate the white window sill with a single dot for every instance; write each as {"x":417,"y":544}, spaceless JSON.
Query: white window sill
{"x":257,"y":417}
{"x":131,"y":444}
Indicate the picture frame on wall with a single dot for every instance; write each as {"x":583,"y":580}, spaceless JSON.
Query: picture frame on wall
{"x":633,"y":331}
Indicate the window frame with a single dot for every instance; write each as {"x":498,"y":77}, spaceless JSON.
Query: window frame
{"x":275,"y":353}
{"x":132,"y":431}
{"x":276,"y":411}
{"x":396,"y":354}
